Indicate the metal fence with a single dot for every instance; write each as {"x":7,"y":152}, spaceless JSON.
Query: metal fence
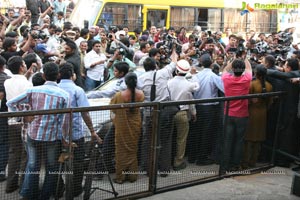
{"x":145,"y":150}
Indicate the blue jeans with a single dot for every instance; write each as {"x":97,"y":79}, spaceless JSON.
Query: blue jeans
{"x":233,"y":141}
{"x":35,"y":150}
{"x":91,"y":84}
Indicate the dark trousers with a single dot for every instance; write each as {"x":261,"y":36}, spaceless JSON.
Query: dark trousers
{"x":208,"y":126}
{"x":17,"y":156}
{"x":234,"y":134}
{"x":204,"y":133}
{"x":165,"y":143}
{"x":78,"y":168}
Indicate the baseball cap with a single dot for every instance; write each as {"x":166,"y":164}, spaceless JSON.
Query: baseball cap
{"x":183,"y":66}
{"x":41,"y":48}
{"x":144,"y":37}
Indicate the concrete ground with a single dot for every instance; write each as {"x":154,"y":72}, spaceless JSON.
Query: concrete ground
{"x":273,"y":184}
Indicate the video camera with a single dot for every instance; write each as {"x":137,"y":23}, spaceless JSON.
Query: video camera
{"x":169,"y":43}
{"x":35,"y":34}
{"x":285,"y":38}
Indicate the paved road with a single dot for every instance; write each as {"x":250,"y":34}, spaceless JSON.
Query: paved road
{"x":274,"y":184}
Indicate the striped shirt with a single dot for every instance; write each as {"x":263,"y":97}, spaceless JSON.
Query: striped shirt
{"x":48,"y":96}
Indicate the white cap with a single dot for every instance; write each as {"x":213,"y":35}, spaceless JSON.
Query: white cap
{"x":183,"y":66}
{"x":120,"y":33}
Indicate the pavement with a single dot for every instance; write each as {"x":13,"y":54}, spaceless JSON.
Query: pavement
{"x":273,"y":184}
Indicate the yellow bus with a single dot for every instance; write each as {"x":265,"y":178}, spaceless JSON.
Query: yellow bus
{"x":210,"y":15}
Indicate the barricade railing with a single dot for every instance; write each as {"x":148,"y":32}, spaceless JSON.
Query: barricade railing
{"x":157,"y":147}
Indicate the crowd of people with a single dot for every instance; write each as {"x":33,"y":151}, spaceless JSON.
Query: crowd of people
{"x":46,"y":63}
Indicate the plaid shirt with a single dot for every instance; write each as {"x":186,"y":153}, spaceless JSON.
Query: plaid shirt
{"x":48,"y":96}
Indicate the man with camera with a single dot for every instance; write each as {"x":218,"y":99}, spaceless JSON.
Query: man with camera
{"x":144,"y":50}
{"x":119,"y":56}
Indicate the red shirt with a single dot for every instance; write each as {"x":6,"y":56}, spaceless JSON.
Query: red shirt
{"x":237,"y":86}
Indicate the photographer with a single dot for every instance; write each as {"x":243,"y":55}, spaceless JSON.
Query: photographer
{"x":189,"y":49}
{"x":119,"y":56}
{"x":143,"y":52}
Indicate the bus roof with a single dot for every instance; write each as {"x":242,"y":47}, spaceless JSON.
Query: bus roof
{"x":184,"y":3}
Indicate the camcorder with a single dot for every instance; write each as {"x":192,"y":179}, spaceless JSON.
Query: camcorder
{"x":35,"y":34}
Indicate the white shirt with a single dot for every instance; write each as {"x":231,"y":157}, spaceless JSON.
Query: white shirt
{"x":95,"y":73}
{"x":162,"y":76}
{"x":181,"y":89}
{"x":16,"y":85}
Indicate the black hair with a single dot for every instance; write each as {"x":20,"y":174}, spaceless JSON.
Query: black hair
{"x":261,"y":72}
{"x":137,"y":31}
{"x":132,"y":37}
{"x":125,"y":41}
{"x":14,"y":64}
{"x":30,"y":58}
{"x":70,"y":43}
{"x":66,"y":71}
{"x":23,"y":29}
{"x":84,"y":32}
{"x":153,"y":52}
{"x":238,"y":67}
{"x":33,"y":25}
{"x":206,"y":60}
{"x":50,"y":71}
{"x":8,"y":42}
{"x":151,"y":43}
{"x":131,"y":82}
{"x":143,"y":45}
{"x":11,"y":34}
{"x":270,"y":60}
{"x":2,"y":61}
{"x":68,"y":26}
{"x":145,"y":32}
{"x":52,"y":26}
{"x":61,"y":13}
{"x":95,"y":42}
{"x":149,"y":64}
{"x":293,"y":63}
{"x":76,"y":29}
{"x":38,"y":79}
{"x":216,"y":68}
{"x":122,"y":67}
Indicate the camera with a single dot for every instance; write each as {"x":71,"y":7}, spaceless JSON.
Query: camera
{"x":113,"y":29}
{"x":240,"y":48}
{"x":35,"y":34}
{"x":122,"y":51}
{"x":110,"y":36}
{"x":285,"y":38}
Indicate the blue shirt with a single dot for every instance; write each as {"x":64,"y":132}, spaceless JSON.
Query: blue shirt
{"x":209,"y":83}
{"x":77,"y":99}
{"x":117,"y":85}
{"x":45,"y":97}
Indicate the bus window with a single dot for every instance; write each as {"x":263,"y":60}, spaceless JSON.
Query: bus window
{"x":214,"y":22}
{"x":182,"y":17}
{"x":85,"y":11}
{"x":156,"y":18}
{"x":121,"y":15}
{"x":203,"y":18}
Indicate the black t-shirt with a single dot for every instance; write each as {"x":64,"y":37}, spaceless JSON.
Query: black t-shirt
{"x":7,"y":54}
